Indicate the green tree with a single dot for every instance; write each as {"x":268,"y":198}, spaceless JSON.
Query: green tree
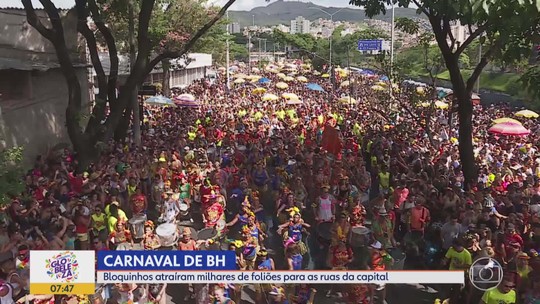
{"x":110,"y":107}
{"x":11,"y":174}
{"x":506,"y":30}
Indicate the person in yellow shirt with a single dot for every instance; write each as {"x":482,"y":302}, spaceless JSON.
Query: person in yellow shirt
{"x":460,"y":259}
{"x":504,"y":293}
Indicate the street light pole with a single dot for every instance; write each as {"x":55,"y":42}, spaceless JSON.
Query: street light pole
{"x":392,"y":33}
{"x":227,"y":58}
{"x":331,"y":34}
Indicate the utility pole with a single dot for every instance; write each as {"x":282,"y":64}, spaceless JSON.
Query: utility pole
{"x":479,"y":59}
{"x":227,"y":56}
{"x":331,"y":38}
{"x":392,"y":31}
{"x":249,"y":49}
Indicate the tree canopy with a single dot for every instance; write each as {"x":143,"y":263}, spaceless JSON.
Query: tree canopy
{"x":506,"y":30}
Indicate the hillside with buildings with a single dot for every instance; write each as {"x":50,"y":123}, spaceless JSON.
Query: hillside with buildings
{"x":282,"y":12}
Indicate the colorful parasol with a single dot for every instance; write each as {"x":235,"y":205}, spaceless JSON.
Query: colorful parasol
{"x":282,"y":85}
{"x":506,"y":119}
{"x":527,"y":114}
{"x":508,"y":128}
{"x":269,"y":97}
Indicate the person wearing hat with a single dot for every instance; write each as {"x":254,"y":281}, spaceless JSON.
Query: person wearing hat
{"x":382,"y":227}
{"x":170,"y":208}
{"x":187,"y":243}
{"x":150,"y":240}
{"x":120,"y":238}
{"x":380,"y":259}
{"x":325,"y":205}
{"x":277,"y":295}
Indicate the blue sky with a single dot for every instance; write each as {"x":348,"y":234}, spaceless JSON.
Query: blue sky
{"x":238,"y":5}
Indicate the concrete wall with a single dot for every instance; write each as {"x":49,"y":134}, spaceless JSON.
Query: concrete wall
{"x":19,"y":40}
{"x":38,"y":123}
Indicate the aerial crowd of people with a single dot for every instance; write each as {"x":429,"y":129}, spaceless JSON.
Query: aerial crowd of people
{"x":292,"y":171}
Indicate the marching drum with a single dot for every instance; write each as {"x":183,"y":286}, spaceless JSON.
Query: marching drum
{"x":206,"y":234}
{"x":168,"y":234}
{"x":136,"y":224}
{"x":360,"y":236}
{"x":123,"y":247}
{"x":184,"y":209}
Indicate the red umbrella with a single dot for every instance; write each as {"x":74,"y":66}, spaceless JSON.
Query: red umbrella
{"x":509,"y":128}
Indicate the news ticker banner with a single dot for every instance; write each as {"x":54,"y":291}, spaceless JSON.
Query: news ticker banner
{"x":62,"y":272}
{"x":74,"y":272}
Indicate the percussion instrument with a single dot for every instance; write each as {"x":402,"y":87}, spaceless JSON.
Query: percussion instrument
{"x":184,"y":209}
{"x":220,"y":225}
{"x":168,"y":234}
{"x":123,"y":247}
{"x":360,"y":236}
{"x":325,"y":231}
{"x":399,"y":258}
{"x":136,"y":224}
{"x":206,"y":233}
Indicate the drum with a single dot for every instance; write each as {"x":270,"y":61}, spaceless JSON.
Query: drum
{"x":184,"y":209}
{"x":399,"y":258}
{"x":360,"y":236}
{"x":136,"y":224}
{"x":206,"y":234}
{"x":325,"y":231}
{"x":123,"y":247}
{"x":168,"y":234}
{"x":220,"y":225}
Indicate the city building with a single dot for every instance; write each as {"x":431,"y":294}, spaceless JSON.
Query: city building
{"x":182,"y":72}
{"x":235,"y":28}
{"x":300,"y":25}
{"x":33,"y":90}
{"x":460,"y":32}
{"x":282,"y":28}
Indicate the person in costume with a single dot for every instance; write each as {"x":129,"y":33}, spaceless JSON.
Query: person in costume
{"x":213,"y":214}
{"x":380,"y":259}
{"x":277,"y":296}
{"x":295,"y":227}
{"x":150,"y":240}
{"x":341,"y":229}
{"x":294,"y":258}
{"x":120,"y":238}
{"x":303,"y":294}
{"x":249,"y":251}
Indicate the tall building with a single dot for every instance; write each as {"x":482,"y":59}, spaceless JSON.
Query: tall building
{"x":300,"y":25}
{"x":235,"y":28}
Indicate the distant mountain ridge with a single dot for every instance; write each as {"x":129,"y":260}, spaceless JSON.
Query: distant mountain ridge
{"x":282,"y":12}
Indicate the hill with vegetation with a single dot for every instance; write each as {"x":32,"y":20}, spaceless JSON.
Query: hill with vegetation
{"x":282,"y":12}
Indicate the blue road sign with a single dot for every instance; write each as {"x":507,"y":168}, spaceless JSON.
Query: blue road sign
{"x":370,"y":45}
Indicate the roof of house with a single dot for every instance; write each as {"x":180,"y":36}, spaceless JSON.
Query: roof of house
{"x":16,"y":64}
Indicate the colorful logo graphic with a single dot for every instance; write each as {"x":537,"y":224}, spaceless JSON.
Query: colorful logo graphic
{"x":63,"y":267}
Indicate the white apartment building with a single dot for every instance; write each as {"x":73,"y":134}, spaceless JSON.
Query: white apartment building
{"x":460,"y":32}
{"x":300,"y":25}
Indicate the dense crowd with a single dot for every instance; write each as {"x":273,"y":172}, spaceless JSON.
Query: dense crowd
{"x":313,"y":181}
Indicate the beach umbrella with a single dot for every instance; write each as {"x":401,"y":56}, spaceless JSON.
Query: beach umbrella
{"x":159,"y":101}
{"x":288,"y":78}
{"x":506,"y":119}
{"x":239,"y":80}
{"x":264,"y":80}
{"x":233,"y":68}
{"x":508,"y":128}
{"x":269,"y":97}
{"x":314,"y":87}
{"x":441,"y":105}
{"x":281,"y":75}
{"x":258,"y":91}
{"x":255,"y":70}
{"x":527,"y":114}
{"x":185,"y":97}
{"x":188,"y":104}
{"x":302,"y":79}
{"x":425,"y":104}
{"x":420,"y":90}
{"x":240,"y":75}
{"x":325,"y":75}
{"x":255,"y":78}
{"x":345,"y":84}
{"x":377,"y":88}
{"x":348,"y":99}
{"x":282,"y":85}
{"x":294,"y":102}
{"x":290,"y":96}
{"x":316,"y":73}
